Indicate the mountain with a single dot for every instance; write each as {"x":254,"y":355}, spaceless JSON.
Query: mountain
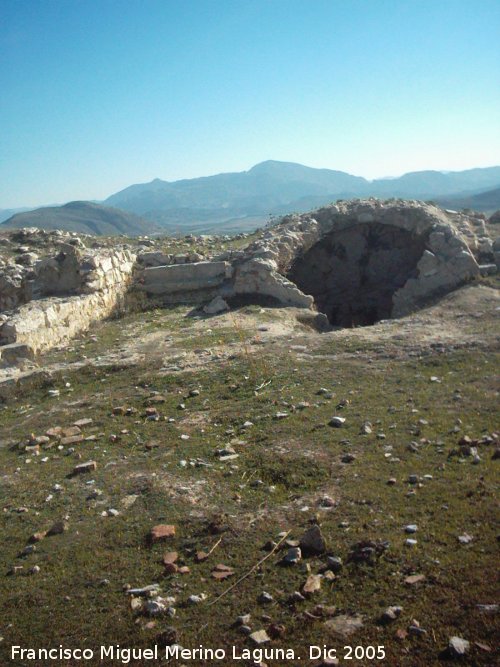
{"x":487,"y":202}
{"x":84,"y":218}
{"x":239,"y":201}
{"x":6,"y":213}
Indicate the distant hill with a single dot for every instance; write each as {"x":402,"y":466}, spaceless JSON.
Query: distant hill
{"x":84,"y":218}
{"x":6,"y":213}
{"x":487,"y":202}
{"x":242,"y":200}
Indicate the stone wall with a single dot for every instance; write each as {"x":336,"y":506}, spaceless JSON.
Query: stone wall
{"x":73,"y":272}
{"x":183,"y":279}
{"x":46,"y":323}
{"x":68,"y":292}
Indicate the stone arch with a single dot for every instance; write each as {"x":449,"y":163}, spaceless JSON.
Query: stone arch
{"x":353,"y":271}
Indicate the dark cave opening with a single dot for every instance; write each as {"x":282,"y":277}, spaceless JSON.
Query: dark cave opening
{"x":354,"y":272}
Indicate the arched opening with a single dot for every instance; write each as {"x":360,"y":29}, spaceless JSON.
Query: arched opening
{"x":354,"y":272}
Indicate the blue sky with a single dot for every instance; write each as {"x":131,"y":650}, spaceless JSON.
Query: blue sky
{"x":97,"y":95}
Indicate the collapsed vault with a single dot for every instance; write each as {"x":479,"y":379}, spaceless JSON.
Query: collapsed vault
{"x":363,"y":261}
{"x":353,"y":273}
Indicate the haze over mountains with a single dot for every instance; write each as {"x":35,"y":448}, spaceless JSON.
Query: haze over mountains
{"x":242,"y":201}
{"x":235,"y":200}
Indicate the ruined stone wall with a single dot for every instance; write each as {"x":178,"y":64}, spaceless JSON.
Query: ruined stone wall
{"x":46,"y":323}
{"x":67,"y":293}
{"x":357,"y":261}
{"x":73,"y":272}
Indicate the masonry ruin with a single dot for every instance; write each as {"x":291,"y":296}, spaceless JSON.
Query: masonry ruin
{"x":354,"y":262}
{"x":353,"y":274}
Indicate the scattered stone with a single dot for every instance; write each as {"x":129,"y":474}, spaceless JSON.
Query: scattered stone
{"x":270,"y":545}
{"x":260,"y":637}
{"x":154,"y":607}
{"x":157,"y":398}
{"x":27,"y":551}
{"x":82,"y":468}
{"x":411,"y":528}
{"x":80,"y":423}
{"x":136,"y":604}
{"x":161,"y":532}
{"x":244,"y":619}
{"x":296,"y":597}
{"x":348,"y":458}
{"x":312,"y":541}
{"x":415,"y":629}
{"x":128,"y":501}
{"x":110,"y":512}
{"x":265,"y":598}
{"x":337,"y":422}
{"x":37,"y":537}
{"x":334,"y":563}
{"x":465,"y":538}
{"x":488,"y":608}
{"x":57,"y":528}
{"x":292,"y":556}
{"x":458,"y":647}
{"x":145,"y":591}
{"x":344,"y":625}
{"x":367,"y":551}
{"x":221,"y":572}
{"x":414,"y":579}
{"x":170,"y":557}
{"x":312,"y":584}
{"x":483,"y":647}
{"x":217,"y":305}
{"x":326,"y":503}
{"x":391,"y":614}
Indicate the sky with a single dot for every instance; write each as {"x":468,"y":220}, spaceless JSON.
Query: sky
{"x":96,"y":95}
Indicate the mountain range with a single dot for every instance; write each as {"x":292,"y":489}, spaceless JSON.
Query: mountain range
{"x":242,"y":201}
{"x":239,"y":200}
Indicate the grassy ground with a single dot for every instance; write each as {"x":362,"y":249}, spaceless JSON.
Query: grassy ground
{"x":284,"y":470}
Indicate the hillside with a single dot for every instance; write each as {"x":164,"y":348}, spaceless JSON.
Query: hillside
{"x":487,"y":202}
{"x":241,"y":201}
{"x":242,"y":471}
{"x":6,"y":213}
{"x":84,"y":218}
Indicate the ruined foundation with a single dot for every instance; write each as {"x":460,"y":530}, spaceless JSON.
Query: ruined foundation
{"x":357,"y":262}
